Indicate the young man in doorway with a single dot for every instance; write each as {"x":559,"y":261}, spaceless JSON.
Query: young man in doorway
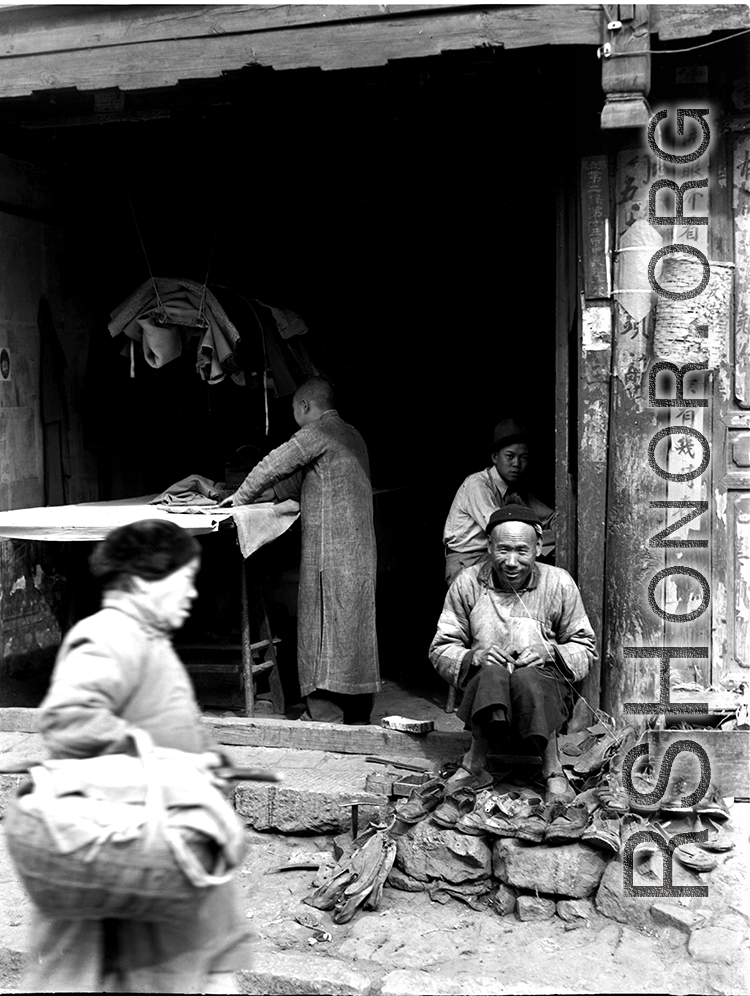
{"x":482,"y":493}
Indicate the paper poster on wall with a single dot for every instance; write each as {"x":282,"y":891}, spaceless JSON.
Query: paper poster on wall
{"x":4,"y":364}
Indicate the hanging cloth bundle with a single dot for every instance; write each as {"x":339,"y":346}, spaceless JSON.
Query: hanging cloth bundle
{"x":164,"y":312}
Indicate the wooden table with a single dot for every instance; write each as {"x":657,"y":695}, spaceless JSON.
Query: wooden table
{"x":92,"y":521}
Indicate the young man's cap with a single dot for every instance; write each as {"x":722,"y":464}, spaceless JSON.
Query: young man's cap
{"x":508,"y":432}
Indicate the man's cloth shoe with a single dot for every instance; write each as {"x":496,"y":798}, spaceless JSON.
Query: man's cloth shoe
{"x":644,"y":783}
{"x":588,"y":798}
{"x":457,"y":803}
{"x":476,"y":779}
{"x":711,"y":804}
{"x":612,"y":794}
{"x":533,"y":828}
{"x":473,"y":823}
{"x":694,"y":857}
{"x":569,"y":825}
{"x":559,"y":788}
{"x":718,"y":839}
{"x":497,"y":814}
{"x":422,"y":801}
{"x":633,"y":823}
{"x":603,"y":832}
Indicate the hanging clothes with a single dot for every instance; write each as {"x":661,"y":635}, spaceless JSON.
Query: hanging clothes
{"x":185,"y":308}
{"x":288,"y":322}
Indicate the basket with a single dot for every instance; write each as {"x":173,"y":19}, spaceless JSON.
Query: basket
{"x":137,"y":879}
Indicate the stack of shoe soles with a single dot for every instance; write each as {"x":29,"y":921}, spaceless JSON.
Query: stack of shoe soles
{"x":359,"y":876}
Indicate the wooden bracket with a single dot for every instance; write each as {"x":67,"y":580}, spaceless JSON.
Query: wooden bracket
{"x":626,"y":68}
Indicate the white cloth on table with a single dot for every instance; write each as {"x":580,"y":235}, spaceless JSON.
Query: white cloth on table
{"x":260,"y":523}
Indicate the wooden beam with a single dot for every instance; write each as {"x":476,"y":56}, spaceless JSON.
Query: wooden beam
{"x":256,"y":732}
{"x":680,"y":20}
{"x":65,"y":28}
{"x":347,"y":44}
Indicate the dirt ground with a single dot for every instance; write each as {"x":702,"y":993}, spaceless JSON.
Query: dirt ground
{"x":413,"y":945}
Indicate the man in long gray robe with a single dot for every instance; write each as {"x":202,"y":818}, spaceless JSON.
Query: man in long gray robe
{"x":325,"y":466}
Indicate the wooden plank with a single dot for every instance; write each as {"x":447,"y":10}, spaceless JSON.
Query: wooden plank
{"x":741,"y":204}
{"x":728,"y":754}
{"x":66,"y":28}
{"x":349,"y":44}
{"x":595,"y":223}
{"x":593,"y":441}
{"x":677,"y":20}
{"x":287,"y":734}
{"x":257,"y":732}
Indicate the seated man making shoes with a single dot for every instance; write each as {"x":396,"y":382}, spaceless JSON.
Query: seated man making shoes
{"x":514,"y":636}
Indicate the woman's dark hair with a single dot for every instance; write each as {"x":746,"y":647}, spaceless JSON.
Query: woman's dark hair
{"x":150,"y":549}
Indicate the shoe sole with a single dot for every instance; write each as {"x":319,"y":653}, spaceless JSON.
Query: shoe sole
{"x":529,"y":838}
{"x":601,"y":844}
{"x":445,"y":824}
{"x":566,"y":838}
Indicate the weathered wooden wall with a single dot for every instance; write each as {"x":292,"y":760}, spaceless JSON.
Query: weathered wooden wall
{"x":35,"y":261}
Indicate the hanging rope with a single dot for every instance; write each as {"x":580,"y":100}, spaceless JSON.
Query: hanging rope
{"x":135,"y":222}
{"x":201,"y":306}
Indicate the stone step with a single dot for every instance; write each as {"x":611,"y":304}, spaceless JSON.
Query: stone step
{"x":316,"y":796}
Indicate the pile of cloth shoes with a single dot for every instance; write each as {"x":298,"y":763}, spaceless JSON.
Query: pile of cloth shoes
{"x":596,"y":808}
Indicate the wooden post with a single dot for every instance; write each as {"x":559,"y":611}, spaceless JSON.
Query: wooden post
{"x":630,"y":562}
{"x":565,"y":312}
{"x":595,"y":360}
{"x":274,"y":679}
{"x":247,"y":653}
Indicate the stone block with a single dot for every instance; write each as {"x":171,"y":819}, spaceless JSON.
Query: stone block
{"x":534,"y":908}
{"x":292,"y":809}
{"x":568,"y":870}
{"x":574,"y":910}
{"x":294,"y":974}
{"x":400,"y":880}
{"x":721,"y":941}
{"x":612,"y":902}
{"x":504,"y":900}
{"x":428,"y":852}
{"x":8,"y":787}
{"x":671,"y":915}
{"x":413,"y":982}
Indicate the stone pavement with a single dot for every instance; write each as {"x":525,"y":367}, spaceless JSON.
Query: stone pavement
{"x":412,"y":945}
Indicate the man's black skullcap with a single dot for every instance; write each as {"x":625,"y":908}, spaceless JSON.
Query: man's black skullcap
{"x":513,"y":513}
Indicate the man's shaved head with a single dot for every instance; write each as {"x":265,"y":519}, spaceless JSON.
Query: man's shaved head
{"x":317,"y":391}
